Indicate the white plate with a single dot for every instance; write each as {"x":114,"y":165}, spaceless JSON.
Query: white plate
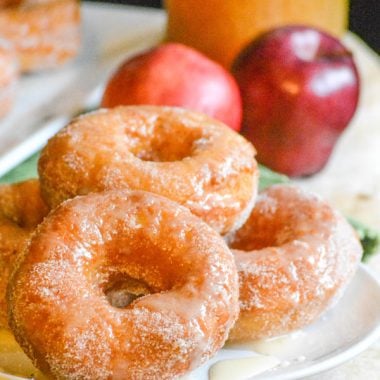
{"x":342,"y":333}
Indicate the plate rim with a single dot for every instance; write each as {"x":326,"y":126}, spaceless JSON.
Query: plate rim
{"x":336,"y":360}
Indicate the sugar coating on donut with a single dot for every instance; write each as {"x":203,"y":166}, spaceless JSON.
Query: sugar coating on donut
{"x":12,"y":239}
{"x":22,"y":204}
{"x":182,"y":155}
{"x":295,"y":255}
{"x":59,"y":309}
{"x":45,"y":33}
{"x":21,"y":209}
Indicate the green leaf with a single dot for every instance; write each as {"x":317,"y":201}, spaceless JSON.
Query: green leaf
{"x":269,"y":177}
{"x":22,"y":172}
{"x":369,"y":238}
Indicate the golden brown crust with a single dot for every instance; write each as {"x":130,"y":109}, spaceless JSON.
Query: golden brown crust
{"x":182,"y":155}
{"x":45,"y":33}
{"x":59,"y":310}
{"x":12,"y":240}
{"x":22,"y":203}
{"x":295,"y":255}
{"x":21,"y":210}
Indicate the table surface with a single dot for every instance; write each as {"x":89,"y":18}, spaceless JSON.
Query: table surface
{"x":351,"y":180}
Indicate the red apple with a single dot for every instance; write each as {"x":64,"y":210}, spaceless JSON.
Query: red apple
{"x":300,"y":89}
{"x":176,"y":75}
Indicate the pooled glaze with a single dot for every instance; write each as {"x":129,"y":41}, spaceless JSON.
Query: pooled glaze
{"x":276,"y":346}
{"x":242,"y":368}
{"x":21,"y":210}
{"x":59,"y":310}
{"x":295,"y":255}
{"x":182,"y":155}
{"x":44,"y":33}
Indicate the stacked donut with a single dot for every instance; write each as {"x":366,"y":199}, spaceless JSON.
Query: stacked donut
{"x":21,"y":210}
{"x":130,"y":275}
{"x":39,"y":35}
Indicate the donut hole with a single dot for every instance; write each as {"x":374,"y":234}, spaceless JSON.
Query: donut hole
{"x":263,"y":235}
{"x":122,"y":292}
{"x":167,"y":143}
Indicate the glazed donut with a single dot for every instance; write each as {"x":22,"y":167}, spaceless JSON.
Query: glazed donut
{"x":177,"y":276}
{"x":12,"y":240}
{"x":295,"y":255}
{"x":22,"y":204}
{"x":45,"y":33}
{"x":21,"y":210}
{"x":8,"y":76}
{"x":182,"y":155}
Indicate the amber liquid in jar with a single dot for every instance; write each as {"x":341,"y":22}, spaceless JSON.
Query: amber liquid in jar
{"x":221,"y":28}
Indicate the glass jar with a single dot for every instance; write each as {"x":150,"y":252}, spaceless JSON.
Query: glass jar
{"x":221,"y":28}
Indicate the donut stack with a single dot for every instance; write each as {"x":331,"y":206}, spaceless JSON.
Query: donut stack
{"x":42,"y":34}
{"x":157,"y":249}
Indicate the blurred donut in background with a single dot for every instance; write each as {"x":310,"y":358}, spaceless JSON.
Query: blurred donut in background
{"x":45,"y":33}
{"x":8,"y":76}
